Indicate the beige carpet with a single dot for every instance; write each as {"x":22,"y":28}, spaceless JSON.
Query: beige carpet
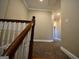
{"x":48,"y":51}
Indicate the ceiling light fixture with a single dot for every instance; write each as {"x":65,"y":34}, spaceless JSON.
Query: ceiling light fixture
{"x":41,"y":0}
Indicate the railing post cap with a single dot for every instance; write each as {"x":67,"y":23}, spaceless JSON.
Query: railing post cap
{"x":33,"y":17}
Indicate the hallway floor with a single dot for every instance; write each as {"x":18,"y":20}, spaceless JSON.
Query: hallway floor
{"x":48,"y":51}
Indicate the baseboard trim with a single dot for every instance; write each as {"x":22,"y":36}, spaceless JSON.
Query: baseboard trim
{"x":72,"y":56}
{"x":42,"y":40}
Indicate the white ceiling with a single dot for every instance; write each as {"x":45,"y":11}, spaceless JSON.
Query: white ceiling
{"x":45,"y":5}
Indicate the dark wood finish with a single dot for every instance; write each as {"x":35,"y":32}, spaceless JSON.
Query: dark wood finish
{"x":15,"y":20}
{"x":32,"y":37}
{"x":10,"y":51}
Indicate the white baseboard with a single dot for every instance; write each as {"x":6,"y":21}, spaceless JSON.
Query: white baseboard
{"x":42,"y":40}
{"x":72,"y":56}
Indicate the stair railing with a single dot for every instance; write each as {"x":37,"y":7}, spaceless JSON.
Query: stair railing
{"x":21,"y":46}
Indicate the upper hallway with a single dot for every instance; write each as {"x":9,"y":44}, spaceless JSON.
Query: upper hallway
{"x":17,"y":9}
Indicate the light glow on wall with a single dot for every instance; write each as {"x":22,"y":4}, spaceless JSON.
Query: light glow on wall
{"x":58,"y":14}
{"x":53,"y":17}
{"x":55,"y":24}
{"x":41,"y":0}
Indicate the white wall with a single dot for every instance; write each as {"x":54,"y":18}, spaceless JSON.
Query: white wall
{"x":70,"y":25}
{"x":13,"y":9}
{"x":17,"y":10}
{"x":43,"y":27}
{"x":3,"y":7}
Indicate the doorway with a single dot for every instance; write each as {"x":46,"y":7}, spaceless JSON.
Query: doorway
{"x":57,"y":27}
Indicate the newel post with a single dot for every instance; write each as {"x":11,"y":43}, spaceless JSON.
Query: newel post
{"x":32,"y":32}
{"x":32,"y":37}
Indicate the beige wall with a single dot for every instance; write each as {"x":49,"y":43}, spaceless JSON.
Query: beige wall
{"x":16,"y":9}
{"x":70,"y":25}
{"x":43,"y":27}
{"x":3,"y":7}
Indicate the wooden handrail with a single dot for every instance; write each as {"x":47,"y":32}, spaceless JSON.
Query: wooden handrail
{"x":14,"y":20}
{"x":10,"y":51}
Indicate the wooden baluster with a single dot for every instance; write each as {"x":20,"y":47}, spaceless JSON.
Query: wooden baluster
{"x":18,"y":28}
{"x":14,"y":31}
{"x":21,"y":50}
{"x":2,"y":31}
{"x":1,"y":27}
{"x":9,"y":33}
{"x":6,"y":34}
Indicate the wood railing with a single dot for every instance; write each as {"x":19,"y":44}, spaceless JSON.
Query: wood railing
{"x":13,"y":47}
{"x":15,"y":20}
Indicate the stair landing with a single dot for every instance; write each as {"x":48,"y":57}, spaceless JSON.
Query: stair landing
{"x":48,"y":50}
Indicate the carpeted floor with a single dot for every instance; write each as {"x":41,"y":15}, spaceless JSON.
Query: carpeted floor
{"x":48,"y":51}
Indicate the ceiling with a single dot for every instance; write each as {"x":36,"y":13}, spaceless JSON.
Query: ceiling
{"x":45,"y":5}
